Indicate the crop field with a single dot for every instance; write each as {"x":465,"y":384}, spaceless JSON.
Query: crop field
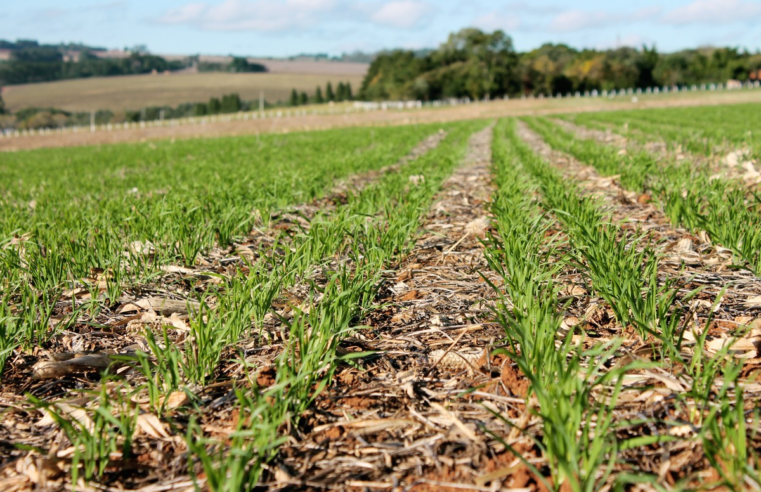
{"x":566,"y":303}
{"x":132,"y":92}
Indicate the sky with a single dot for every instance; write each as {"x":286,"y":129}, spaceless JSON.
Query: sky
{"x":289,"y":27}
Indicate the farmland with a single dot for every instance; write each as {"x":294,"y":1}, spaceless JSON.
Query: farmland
{"x":556,"y":302}
{"x":133,"y":92}
{"x":492,"y":109}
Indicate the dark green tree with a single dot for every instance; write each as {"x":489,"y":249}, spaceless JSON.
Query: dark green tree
{"x":646,"y":66}
{"x":318,"y":96}
{"x":340,"y":92}
{"x":329,"y":94}
{"x":392,"y":75}
{"x":304,"y":99}
{"x":347,"y":90}
{"x":200,"y":109}
{"x":231,"y":103}
{"x":214,"y":105}
{"x":2,"y":103}
{"x":241,"y":65}
{"x":294,"y":98}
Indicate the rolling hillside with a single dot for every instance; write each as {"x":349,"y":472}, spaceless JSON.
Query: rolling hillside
{"x":137,"y":91}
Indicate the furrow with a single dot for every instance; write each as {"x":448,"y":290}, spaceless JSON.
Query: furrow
{"x":692,"y":346}
{"x":732,"y":165}
{"x":689,"y":257}
{"x":432,"y":341}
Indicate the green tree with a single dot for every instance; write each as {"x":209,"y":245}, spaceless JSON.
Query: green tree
{"x":347,"y":90}
{"x":242,"y":65}
{"x":294,"y":98}
{"x":392,"y":75}
{"x":471,"y":63}
{"x":542,"y":71}
{"x":329,"y":94}
{"x":214,"y":106}
{"x":231,"y":103}
{"x":672,"y":69}
{"x":340,"y":92}
{"x":645,"y":66}
{"x":43,"y":54}
{"x":318,"y":95}
{"x":304,"y":99}
{"x":475,"y":64}
{"x":2,"y":103}
{"x":200,"y":109}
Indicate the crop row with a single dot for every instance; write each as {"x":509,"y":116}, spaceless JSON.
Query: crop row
{"x":703,"y":130}
{"x":577,"y":382}
{"x":339,"y":258}
{"x":690,"y":195}
{"x":107,"y":219}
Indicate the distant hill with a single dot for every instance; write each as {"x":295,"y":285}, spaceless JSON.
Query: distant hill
{"x":27,"y":61}
{"x":132,"y":92}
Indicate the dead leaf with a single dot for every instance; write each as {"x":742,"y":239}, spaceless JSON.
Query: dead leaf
{"x":151,"y":425}
{"x":416,"y":179}
{"x":176,"y":399}
{"x":741,"y":348}
{"x":478,"y":227}
{"x":160,"y":305}
{"x":72,"y":412}
{"x":753,"y":302}
{"x":79,"y":363}
{"x":410,"y":296}
{"x":179,"y":269}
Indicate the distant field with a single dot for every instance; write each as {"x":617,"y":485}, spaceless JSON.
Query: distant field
{"x":493,"y":109}
{"x":137,"y":91}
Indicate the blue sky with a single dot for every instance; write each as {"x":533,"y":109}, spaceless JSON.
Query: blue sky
{"x":287,"y":27}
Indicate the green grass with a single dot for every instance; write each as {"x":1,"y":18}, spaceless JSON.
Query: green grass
{"x":339,"y":258}
{"x":689,"y":195}
{"x":577,"y":438}
{"x":622,"y":268}
{"x":703,"y":130}
{"x":71,"y":217}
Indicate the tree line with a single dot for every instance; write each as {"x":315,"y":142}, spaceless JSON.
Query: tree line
{"x":477,"y":64}
{"x":32,"y":62}
{"x":45,"y":64}
{"x":342,"y":93}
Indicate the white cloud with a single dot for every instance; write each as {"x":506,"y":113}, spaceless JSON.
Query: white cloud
{"x":494,"y":21}
{"x":530,"y":8}
{"x":246,"y":15}
{"x":189,"y":13}
{"x":630,"y":40}
{"x":713,"y":12}
{"x":577,"y":20}
{"x":402,"y":14}
{"x":284,"y":15}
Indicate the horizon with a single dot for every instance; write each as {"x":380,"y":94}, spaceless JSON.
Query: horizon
{"x":337,"y":56}
{"x":289,"y":28}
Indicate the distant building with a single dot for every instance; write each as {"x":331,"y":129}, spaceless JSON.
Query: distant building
{"x":113,"y":54}
{"x":5,"y":54}
{"x":71,"y":56}
{"x":755,"y":75}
